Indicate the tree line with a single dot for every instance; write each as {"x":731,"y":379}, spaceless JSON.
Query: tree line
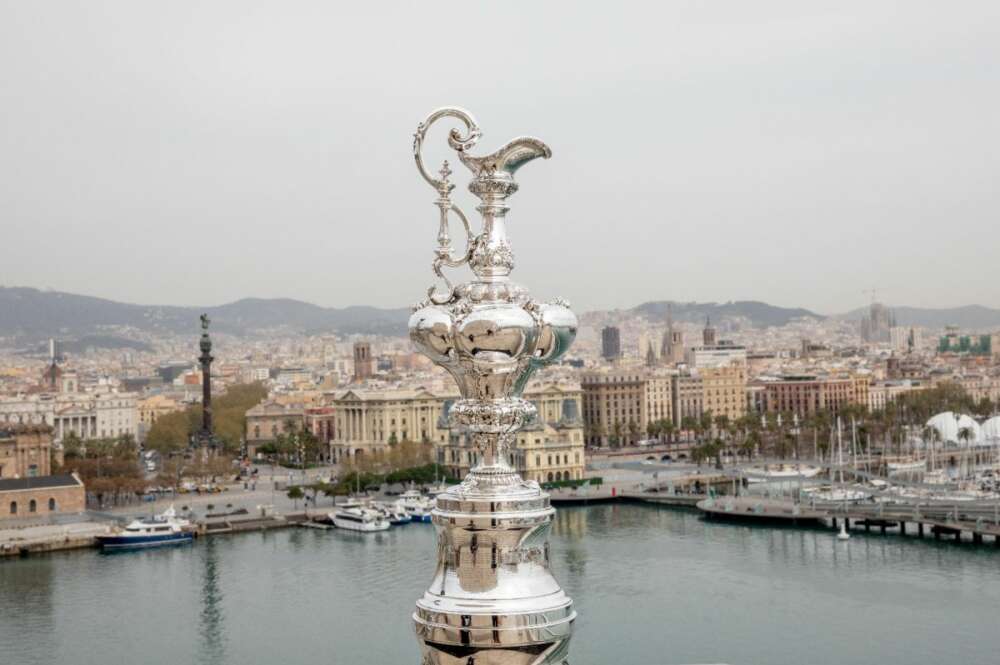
{"x":172,"y":431}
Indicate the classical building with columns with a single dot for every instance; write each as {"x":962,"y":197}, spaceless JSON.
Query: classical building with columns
{"x":548,"y":449}
{"x":368,"y":422}
{"x":86,"y":415}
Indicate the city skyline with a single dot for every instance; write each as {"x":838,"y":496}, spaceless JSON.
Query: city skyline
{"x":799,"y":155}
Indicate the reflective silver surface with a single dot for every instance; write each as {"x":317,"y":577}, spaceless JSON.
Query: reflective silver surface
{"x":493,"y":599}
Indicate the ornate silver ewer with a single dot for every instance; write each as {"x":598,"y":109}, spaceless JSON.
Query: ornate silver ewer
{"x":493,"y":600}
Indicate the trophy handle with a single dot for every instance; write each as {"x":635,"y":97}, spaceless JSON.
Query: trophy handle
{"x":459,"y":142}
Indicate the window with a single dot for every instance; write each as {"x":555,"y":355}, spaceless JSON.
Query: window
{"x":32,"y":506}
{"x":13,"y":507}
{"x":52,"y":504}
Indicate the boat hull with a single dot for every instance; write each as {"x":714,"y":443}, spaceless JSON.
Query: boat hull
{"x":143,"y":542}
{"x":349,"y":525}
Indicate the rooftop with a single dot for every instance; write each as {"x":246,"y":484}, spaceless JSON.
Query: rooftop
{"x":39,"y":482}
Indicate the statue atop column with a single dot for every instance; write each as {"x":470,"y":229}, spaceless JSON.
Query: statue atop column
{"x":204,"y":438}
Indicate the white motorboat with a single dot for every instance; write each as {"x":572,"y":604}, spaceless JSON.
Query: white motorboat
{"x":394,"y":512}
{"x":417,"y":506}
{"x":359,"y":519}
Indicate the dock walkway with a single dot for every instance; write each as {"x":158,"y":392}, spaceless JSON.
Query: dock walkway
{"x":977,"y":523}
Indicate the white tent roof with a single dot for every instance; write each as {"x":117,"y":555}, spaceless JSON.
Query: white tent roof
{"x":949,"y":424}
{"x":991,"y":428}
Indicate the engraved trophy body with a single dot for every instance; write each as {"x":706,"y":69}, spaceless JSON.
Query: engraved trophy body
{"x":493,"y":599}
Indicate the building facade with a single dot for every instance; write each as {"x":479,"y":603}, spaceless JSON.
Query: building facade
{"x":688,"y":394}
{"x":85,"y":415}
{"x":619,"y":404}
{"x":368,"y":422}
{"x":807,"y":394}
{"x":25,"y":452}
{"x":883,"y":393}
{"x":611,"y":343}
{"x":363,"y":362}
{"x":724,"y":391}
{"x":549,"y":449}
{"x":26,"y":498}
{"x":270,"y":419}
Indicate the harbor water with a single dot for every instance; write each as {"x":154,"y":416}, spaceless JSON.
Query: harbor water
{"x":659,"y":585}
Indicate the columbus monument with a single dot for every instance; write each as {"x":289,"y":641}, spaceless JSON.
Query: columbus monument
{"x":204,"y":438}
{"x":493,"y":599}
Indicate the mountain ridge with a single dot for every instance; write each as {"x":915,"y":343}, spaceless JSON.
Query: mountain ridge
{"x":965,"y":316}
{"x":29,"y":315}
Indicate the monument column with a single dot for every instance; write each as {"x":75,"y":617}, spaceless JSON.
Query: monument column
{"x":205,"y":438}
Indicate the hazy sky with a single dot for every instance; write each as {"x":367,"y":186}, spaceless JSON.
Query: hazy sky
{"x":793,"y":152}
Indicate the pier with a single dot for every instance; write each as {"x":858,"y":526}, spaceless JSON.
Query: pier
{"x":976,"y":523}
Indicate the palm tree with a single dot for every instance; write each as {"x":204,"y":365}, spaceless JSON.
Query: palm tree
{"x":667,"y":428}
{"x":689,"y":424}
{"x":616,"y":434}
{"x":653,"y":429}
{"x":633,"y":432}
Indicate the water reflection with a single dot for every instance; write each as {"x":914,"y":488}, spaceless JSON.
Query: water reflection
{"x":212,"y":624}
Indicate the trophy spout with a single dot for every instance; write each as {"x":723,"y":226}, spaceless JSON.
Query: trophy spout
{"x":508,"y":159}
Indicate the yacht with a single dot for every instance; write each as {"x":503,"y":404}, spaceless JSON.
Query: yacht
{"x":359,"y":519}
{"x":828,"y":493}
{"x":156,"y":531}
{"x":775,"y":472}
{"x":417,"y":506}
{"x":394,"y":512}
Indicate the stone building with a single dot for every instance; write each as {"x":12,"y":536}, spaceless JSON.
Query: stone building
{"x":550,"y":448}
{"x":86,"y":415}
{"x":724,"y":391}
{"x":621,"y":403}
{"x":37,"y":497}
{"x":687,"y":394}
{"x":25,"y":452}
{"x":367,"y":422}
{"x":363,"y":362}
{"x":265,"y":421}
{"x":672,"y":345}
{"x":807,"y":394}
{"x":884,"y":393}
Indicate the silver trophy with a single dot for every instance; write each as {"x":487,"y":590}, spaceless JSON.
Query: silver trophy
{"x":493,"y":600}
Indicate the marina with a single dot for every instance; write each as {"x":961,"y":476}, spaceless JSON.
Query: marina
{"x":658,"y":580}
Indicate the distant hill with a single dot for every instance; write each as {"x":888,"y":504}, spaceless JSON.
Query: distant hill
{"x":759,"y":313}
{"x":30,"y":314}
{"x":969,"y":316}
